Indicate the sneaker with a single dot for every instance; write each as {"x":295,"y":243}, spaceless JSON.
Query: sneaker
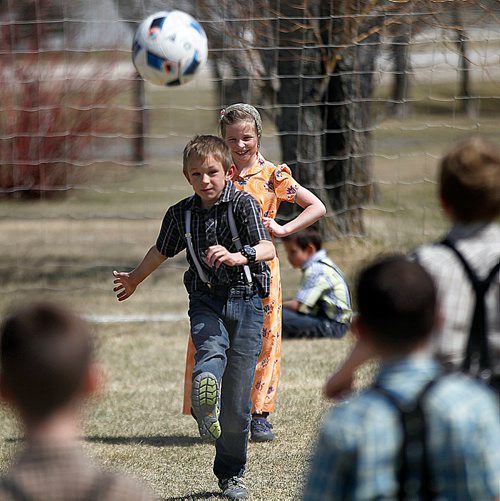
{"x":233,"y":488}
{"x":205,"y":405}
{"x":261,"y":430}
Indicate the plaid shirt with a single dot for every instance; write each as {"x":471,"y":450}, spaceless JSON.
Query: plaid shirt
{"x":210,"y":227}
{"x":357,"y":450}
{"x":480,"y":245}
{"x":324,"y":289}
{"x":52,"y":473}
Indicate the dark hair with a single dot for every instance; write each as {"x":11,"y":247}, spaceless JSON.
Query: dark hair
{"x":305,"y":237}
{"x":45,"y":351}
{"x":469,"y":180}
{"x":203,"y":146}
{"x":397,"y":301}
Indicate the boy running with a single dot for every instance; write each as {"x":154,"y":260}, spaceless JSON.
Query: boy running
{"x":225,"y":287}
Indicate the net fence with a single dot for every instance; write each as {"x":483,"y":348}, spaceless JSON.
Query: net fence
{"x":359,"y":98}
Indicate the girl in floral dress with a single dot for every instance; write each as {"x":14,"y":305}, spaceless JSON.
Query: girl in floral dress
{"x":241,"y":128}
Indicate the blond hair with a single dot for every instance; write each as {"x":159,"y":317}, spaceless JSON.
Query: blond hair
{"x":204,"y":146}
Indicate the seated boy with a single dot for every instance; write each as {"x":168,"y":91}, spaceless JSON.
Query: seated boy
{"x":225,"y":288}
{"x":47,"y":370}
{"x":416,"y":433}
{"x":322,"y":305}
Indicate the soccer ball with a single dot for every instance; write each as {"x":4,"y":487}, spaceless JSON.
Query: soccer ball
{"x":169,"y":48}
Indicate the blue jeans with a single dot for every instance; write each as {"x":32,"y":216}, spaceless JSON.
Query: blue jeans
{"x":297,"y":325}
{"x":226,"y":329}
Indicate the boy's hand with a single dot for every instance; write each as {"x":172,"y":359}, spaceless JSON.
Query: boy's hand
{"x":125,"y":286}
{"x":338,"y":385}
{"x":273,"y":227}
{"x":218,"y":254}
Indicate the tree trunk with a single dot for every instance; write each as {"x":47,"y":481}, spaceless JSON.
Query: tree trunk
{"x":400,"y":49}
{"x":463,"y":63}
{"x":348,"y":137}
{"x":300,"y":117}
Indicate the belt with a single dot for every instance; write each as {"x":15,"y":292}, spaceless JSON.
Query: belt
{"x":238,"y":290}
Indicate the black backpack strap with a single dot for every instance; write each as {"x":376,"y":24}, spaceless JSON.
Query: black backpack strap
{"x":15,"y":490}
{"x":477,"y":354}
{"x":415,"y":439}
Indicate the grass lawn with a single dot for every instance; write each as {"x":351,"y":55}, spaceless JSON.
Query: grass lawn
{"x":66,"y":250}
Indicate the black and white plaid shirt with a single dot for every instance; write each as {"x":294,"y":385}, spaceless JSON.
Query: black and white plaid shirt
{"x":210,"y":227}
{"x":480,"y":245}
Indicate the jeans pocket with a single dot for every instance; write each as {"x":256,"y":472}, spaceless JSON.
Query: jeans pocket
{"x":257,"y":304}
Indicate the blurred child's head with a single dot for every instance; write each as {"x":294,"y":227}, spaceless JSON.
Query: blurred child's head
{"x":396,"y":304}
{"x":469,"y":181}
{"x":45,"y":357}
{"x":207,"y":165}
{"x":241,"y":127}
{"x":302,"y":245}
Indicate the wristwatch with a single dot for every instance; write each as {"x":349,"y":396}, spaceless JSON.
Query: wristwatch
{"x":249,"y":252}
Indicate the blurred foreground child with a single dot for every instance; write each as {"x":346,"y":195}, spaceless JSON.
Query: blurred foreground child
{"x":47,"y":371}
{"x":465,"y":266}
{"x":322,"y":305}
{"x":416,"y":433}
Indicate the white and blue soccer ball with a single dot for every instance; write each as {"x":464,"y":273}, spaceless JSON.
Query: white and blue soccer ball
{"x":169,"y":48}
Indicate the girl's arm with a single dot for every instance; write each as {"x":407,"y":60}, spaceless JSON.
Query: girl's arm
{"x":313,"y":207}
{"x":126,"y":283}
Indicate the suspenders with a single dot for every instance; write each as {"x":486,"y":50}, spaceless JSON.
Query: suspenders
{"x":477,"y":361}
{"x":413,"y":457}
{"x":235,"y":238}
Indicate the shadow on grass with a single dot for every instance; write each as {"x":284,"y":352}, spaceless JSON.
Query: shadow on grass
{"x":179,"y":441}
{"x":197,"y":495}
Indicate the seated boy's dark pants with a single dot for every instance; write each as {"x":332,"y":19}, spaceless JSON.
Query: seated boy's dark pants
{"x":297,"y":325}
{"x":226,"y":329}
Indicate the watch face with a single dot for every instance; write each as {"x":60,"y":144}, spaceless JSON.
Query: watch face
{"x":249,"y":252}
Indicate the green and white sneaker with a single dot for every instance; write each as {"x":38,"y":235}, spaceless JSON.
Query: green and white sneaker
{"x":205,"y":397}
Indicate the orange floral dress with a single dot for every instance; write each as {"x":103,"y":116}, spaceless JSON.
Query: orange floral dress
{"x":269,"y":185}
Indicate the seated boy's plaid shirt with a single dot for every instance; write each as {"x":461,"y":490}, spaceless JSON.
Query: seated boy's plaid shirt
{"x":211,"y":227}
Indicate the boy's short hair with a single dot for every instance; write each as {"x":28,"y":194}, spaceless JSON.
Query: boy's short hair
{"x":469,"y":180}
{"x":397,"y":301}
{"x":306,"y":237}
{"x":45,"y":351}
{"x":202,"y":147}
